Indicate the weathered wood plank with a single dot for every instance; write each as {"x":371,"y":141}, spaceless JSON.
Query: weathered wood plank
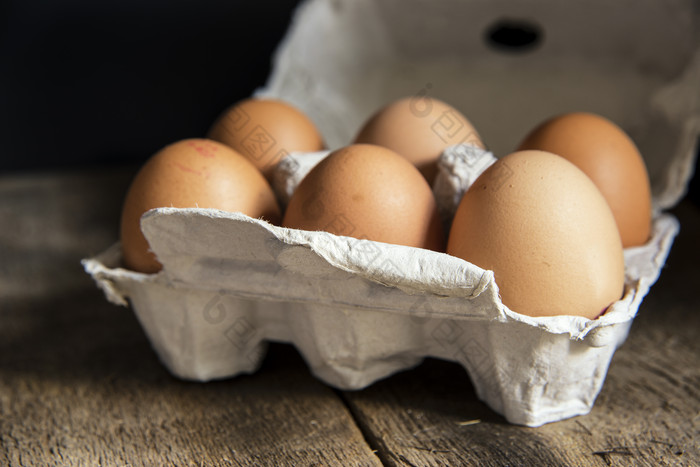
{"x":648,"y":412}
{"x":48,"y":222}
{"x":80,"y":385}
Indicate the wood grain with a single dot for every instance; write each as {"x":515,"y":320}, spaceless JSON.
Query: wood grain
{"x":648,"y":412}
{"x":80,"y":385}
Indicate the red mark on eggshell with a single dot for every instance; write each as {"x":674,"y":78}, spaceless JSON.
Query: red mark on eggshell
{"x":184,"y":168}
{"x":203,"y":149}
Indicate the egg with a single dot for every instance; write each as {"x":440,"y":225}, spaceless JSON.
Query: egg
{"x":610,"y":158}
{"x":419,"y":128}
{"x":545,"y":230}
{"x":265,"y":131}
{"x":191,"y":173}
{"x":369,"y":192}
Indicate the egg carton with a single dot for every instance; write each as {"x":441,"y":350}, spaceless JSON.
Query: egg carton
{"x":359,"y":310}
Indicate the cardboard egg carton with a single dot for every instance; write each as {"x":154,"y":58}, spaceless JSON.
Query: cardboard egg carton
{"x":359,"y":310}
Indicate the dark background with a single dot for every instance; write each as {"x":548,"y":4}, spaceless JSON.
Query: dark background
{"x":87,"y":83}
{"x":94,"y":83}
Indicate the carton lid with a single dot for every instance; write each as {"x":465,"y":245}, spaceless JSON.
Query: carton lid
{"x":342,"y":60}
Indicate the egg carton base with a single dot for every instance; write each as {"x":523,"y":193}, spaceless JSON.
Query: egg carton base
{"x":531,"y":370}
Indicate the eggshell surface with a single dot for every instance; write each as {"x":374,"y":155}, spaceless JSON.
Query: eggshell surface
{"x":191,"y":173}
{"x":265,"y":131}
{"x":419,"y":128}
{"x":370,"y":192}
{"x":545,"y":230}
{"x":610,"y":158}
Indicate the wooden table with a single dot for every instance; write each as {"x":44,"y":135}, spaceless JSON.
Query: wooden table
{"x":80,"y":384}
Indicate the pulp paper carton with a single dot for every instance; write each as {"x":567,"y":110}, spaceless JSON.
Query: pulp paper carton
{"x":359,"y":310}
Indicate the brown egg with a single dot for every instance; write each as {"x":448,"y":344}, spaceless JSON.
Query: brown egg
{"x":419,"y":128}
{"x":265,"y":131}
{"x":367,"y":191}
{"x":191,"y":173}
{"x":610,"y":158}
{"x":541,"y":225}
